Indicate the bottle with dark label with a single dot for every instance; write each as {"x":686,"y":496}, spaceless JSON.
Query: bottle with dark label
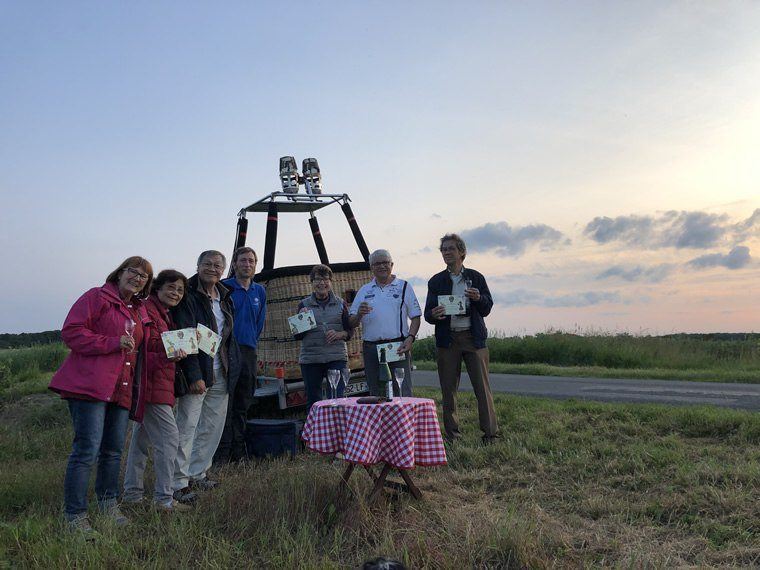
{"x":384,"y":378}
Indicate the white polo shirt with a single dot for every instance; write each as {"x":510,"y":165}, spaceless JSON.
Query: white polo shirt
{"x":387,"y":309}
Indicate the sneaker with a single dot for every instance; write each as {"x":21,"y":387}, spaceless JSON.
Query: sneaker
{"x":490,"y":440}
{"x":203,"y":484}
{"x":173,"y":507}
{"x":185,"y":496}
{"x":112,"y":511}
{"x":81,"y":523}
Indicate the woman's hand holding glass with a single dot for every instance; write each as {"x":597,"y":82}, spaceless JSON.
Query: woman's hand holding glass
{"x":331,"y":335}
{"x":127,"y":342}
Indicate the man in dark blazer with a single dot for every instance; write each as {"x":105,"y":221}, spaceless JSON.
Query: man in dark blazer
{"x":461,"y":337}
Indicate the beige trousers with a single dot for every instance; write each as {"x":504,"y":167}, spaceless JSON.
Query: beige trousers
{"x":449,"y":372}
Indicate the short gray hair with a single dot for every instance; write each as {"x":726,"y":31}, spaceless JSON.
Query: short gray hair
{"x":210,"y":253}
{"x":380,"y":253}
{"x":458,"y":241}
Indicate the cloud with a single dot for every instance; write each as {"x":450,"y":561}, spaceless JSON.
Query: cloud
{"x":415,"y":281}
{"x":737,"y":258}
{"x":630,"y":229}
{"x":507,"y":241}
{"x":585,"y":299}
{"x":520,"y":276}
{"x":653,"y":274}
{"x":522,"y":297}
{"x":435,"y":216}
{"x":519,"y":297}
{"x":696,"y":230}
{"x":747,"y":227}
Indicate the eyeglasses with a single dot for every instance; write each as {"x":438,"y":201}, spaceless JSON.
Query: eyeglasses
{"x":209,"y":265}
{"x":449,"y":248}
{"x":136,"y":274}
{"x":321,"y":280}
{"x":172,"y":289}
{"x":378,"y":263}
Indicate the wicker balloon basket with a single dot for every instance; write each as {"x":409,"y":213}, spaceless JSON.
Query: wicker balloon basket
{"x":285,"y":288}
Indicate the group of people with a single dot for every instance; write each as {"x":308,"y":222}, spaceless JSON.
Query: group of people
{"x":191,"y":409}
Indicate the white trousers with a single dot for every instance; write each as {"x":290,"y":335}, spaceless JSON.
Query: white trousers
{"x":159,"y":430}
{"x":200,"y":419}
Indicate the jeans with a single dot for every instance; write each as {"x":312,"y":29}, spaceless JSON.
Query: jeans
{"x":312,"y":379}
{"x":100,"y":429}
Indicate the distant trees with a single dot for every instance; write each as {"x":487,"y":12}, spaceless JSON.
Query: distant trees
{"x":8,"y":340}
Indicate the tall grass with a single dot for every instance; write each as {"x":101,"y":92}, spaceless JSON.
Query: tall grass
{"x":617,"y":351}
{"x":18,"y":365}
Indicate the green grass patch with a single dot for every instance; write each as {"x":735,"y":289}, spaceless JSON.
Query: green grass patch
{"x":569,"y":484}
{"x":697,"y":357}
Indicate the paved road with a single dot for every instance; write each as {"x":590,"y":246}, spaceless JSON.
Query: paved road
{"x":672,"y":392}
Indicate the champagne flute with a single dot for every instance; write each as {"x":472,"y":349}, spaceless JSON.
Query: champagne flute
{"x":345,"y":375}
{"x":467,"y":285}
{"x":129,"y":328}
{"x":371,"y":304}
{"x":399,"y":373}
{"x":333,"y":377}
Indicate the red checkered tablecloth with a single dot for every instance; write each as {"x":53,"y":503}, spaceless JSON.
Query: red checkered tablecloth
{"x":402,"y":433}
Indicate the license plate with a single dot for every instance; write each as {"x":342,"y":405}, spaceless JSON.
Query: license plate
{"x":356,"y":388}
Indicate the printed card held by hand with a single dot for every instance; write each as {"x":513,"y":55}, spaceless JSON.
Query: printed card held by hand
{"x":302,"y":322}
{"x":183,"y":339}
{"x":453,"y":304}
{"x":208,"y":340}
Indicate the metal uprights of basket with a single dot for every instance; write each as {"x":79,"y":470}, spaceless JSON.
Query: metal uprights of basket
{"x":290,"y":200}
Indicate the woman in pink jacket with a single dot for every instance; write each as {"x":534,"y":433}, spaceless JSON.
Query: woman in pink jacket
{"x":103,"y":381}
{"x":159,"y":428}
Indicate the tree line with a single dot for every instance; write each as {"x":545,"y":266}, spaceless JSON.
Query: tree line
{"x":19,"y":340}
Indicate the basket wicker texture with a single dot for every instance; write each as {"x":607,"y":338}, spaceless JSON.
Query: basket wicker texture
{"x":277,"y":347}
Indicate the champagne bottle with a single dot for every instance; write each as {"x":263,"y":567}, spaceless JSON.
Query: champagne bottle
{"x":384,"y":378}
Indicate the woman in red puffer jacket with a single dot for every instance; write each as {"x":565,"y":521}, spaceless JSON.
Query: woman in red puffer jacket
{"x":159,"y":428}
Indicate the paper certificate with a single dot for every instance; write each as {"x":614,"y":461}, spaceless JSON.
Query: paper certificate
{"x":453,"y":304}
{"x":302,"y":322}
{"x":209,"y":340}
{"x":391,"y":351}
{"x":183,"y":339}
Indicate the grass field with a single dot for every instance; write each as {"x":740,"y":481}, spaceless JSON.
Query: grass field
{"x":679,"y":357}
{"x":707,"y":358}
{"x":570,"y":485}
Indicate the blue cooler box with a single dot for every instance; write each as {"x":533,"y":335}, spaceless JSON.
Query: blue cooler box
{"x":272,"y":438}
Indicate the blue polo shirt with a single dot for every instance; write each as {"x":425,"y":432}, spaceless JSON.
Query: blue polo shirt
{"x":250,"y":311}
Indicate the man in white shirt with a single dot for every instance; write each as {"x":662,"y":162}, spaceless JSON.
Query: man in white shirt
{"x":384,"y":307}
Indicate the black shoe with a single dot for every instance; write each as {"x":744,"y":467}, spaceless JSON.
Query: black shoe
{"x":185,"y":496}
{"x":490,"y":439}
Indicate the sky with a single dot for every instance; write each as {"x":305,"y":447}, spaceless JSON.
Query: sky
{"x":600,"y":159}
